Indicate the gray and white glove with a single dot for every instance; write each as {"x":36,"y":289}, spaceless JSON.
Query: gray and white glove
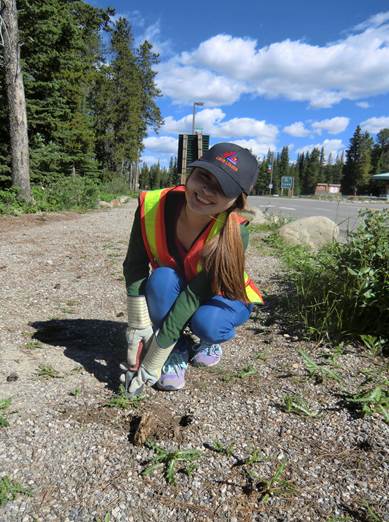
{"x":139,"y":331}
{"x":150,"y":369}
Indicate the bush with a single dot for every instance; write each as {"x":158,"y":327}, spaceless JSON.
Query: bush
{"x":343,"y":290}
{"x":69,"y":193}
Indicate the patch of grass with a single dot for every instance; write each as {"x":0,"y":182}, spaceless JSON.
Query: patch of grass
{"x":371,"y":400}
{"x":169,"y":460}
{"x":9,"y":489}
{"x":120,"y":400}
{"x":295,"y":404}
{"x":75,"y":393}
{"x":4,"y":405}
{"x":45,"y":371}
{"x":319,"y":372}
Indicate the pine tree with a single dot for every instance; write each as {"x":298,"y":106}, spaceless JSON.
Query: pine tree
{"x":311,"y":171}
{"x":356,"y":173}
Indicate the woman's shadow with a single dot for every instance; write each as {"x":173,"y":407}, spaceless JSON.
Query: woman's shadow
{"x":99,"y":346}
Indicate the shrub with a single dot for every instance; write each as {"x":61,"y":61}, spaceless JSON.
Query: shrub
{"x":344,"y":288}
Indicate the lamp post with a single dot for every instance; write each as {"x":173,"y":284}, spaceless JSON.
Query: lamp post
{"x":199,"y":104}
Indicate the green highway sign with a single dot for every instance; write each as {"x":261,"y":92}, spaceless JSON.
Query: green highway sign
{"x":287,"y":182}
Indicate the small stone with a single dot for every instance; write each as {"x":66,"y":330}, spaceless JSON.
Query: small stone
{"x":56,"y":286}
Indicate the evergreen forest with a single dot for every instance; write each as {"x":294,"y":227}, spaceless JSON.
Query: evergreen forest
{"x":91,"y":98}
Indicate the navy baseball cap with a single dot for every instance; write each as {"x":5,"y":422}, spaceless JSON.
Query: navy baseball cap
{"x":234,"y":167}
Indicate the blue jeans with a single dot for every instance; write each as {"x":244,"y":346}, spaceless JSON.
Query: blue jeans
{"x":213,"y":322}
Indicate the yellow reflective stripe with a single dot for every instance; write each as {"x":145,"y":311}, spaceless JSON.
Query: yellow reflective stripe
{"x":252,"y":295}
{"x":151,"y":203}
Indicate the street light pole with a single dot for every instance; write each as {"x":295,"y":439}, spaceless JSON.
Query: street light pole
{"x":200,"y":104}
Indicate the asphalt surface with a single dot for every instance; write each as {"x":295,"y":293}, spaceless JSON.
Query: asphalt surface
{"x":344,"y":213}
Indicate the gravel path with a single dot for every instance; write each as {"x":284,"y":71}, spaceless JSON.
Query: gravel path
{"x":63,"y":307}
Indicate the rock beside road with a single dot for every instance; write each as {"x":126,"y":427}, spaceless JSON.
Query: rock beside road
{"x":314,"y":232}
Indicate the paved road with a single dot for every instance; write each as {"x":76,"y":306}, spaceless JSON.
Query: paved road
{"x":344,"y":213}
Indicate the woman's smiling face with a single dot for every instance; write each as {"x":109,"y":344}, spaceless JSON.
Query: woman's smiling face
{"x":204,"y":195}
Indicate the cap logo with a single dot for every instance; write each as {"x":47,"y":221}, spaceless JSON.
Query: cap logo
{"x":230,"y":159}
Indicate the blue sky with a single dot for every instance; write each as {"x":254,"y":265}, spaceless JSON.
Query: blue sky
{"x":270,"y":73}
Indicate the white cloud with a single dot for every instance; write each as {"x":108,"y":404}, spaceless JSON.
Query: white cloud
{"x":258,"y":149}
{"x":296,"y":129}
{"x":224,"y":67}
{"x":185,"y":84}
{"x":331,"y":125}
{"x":163,"y":144}
{"x":363,"y":104}
{"x":333,"y":147}
{"x":152,"y":33}
{"x":375,"y":124}
{"x":212,"y":121}
{"x":374,"y":21}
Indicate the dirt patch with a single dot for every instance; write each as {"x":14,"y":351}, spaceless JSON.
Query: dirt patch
{"x":10,"y":223}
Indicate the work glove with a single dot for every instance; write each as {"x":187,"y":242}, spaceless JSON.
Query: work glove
{"x":138,"y":333}
{"x":150,"y":369}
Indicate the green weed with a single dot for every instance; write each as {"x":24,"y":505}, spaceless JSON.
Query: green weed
{"x":255,"y":457}
{"x":275,"y":486}
{"x":372,"y":400}
{"x":217,"y":446}
{"x":247,"y":371}
{"x":9,"y":489}
{"x":120,"y":400}
{"x":374,"y":344}
{"x":316,"y":371}
{"x":169,"y":460}
{"x":75,"y":393}
{"x":4,"y":405}
{"x":298,"y":405}
{"x":46,"y":371}
{"x":33,"y":344}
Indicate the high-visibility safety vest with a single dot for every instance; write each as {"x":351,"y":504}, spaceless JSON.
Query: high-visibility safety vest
{"x":152,"y":218}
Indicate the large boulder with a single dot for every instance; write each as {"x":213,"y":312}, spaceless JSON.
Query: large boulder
{"x":314,"y":232}
{"x":104,"y":204}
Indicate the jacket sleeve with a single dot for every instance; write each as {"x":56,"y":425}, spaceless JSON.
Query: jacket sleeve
{"x":136,"y":267}
{"x":197,"y":292}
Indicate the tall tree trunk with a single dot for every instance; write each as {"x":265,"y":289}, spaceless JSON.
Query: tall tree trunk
{"x":16,"y":102}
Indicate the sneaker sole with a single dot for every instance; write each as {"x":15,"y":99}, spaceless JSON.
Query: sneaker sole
{"x":169,"y":387}
{"x":202,"y":365}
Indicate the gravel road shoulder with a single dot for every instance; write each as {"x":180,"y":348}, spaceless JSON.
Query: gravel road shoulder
{"x":63,"y":307}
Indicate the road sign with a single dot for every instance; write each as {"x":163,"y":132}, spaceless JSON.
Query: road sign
{"x":287,"y":182}
{"x":270,"y":186}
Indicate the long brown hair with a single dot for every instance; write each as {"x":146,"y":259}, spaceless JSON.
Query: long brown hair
{"x":224,"y":258}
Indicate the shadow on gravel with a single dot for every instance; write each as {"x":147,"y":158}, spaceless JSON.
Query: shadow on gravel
{"x":99,"y":346}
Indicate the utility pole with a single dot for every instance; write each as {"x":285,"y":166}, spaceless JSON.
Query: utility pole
{"x":199,"y":104}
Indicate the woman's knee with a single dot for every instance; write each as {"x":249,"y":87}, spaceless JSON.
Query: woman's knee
{"x":210,"y":326}
{"x":162,"y":289}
